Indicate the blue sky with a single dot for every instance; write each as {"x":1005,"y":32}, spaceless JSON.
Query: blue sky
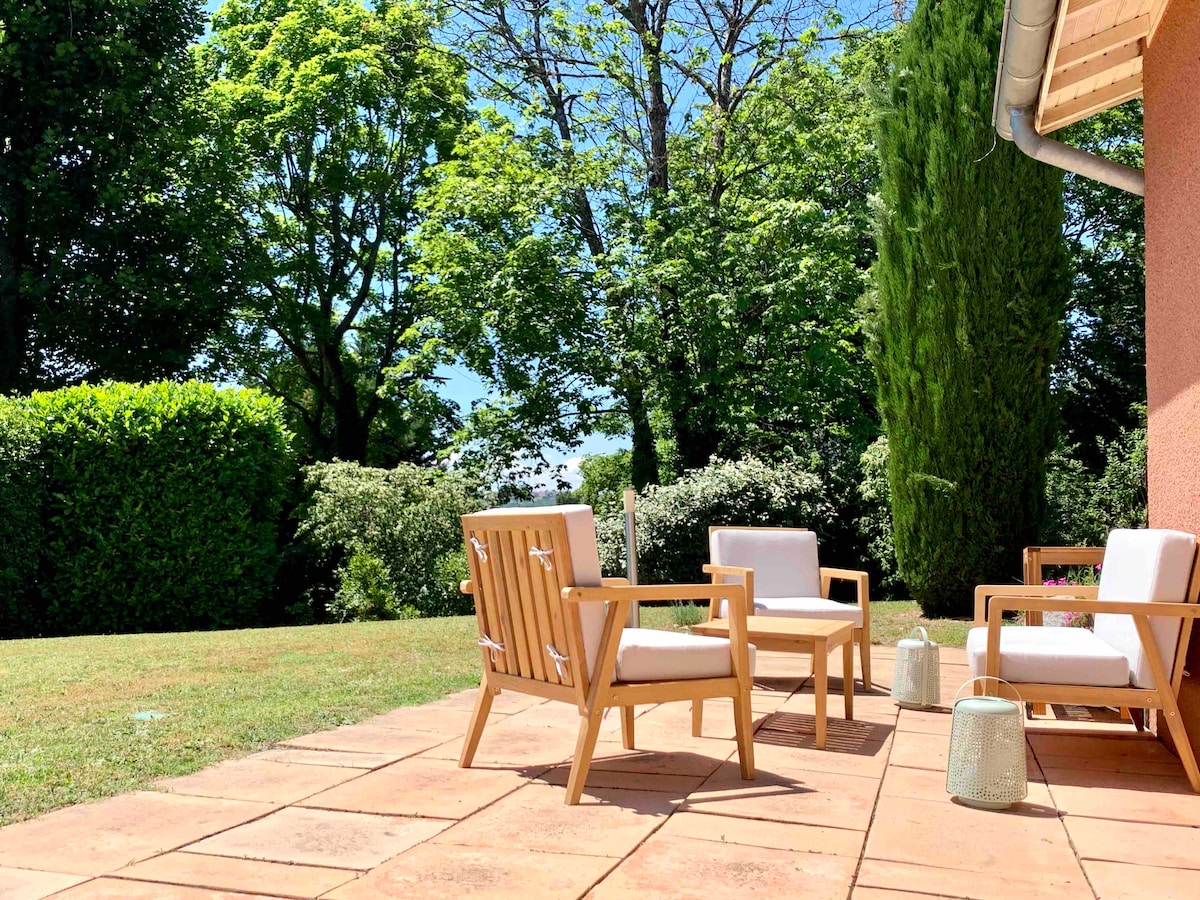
{"x":464,"y":387}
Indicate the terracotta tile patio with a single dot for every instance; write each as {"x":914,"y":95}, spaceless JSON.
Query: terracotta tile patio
{"x":381,"y":810}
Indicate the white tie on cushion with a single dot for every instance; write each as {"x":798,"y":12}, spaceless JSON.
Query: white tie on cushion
{"x":1146,"y":565}
{"x":1050,"y":655}
{"x":649,"y":655}
{"x":585,"y":565}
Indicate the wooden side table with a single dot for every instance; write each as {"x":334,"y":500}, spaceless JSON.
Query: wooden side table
{"x":793,"y":635}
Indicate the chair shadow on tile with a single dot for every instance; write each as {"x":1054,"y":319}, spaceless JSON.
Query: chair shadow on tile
{"x":670,"y":776}
{"x":799,"y":730}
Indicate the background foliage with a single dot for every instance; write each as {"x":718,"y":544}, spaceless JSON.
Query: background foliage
{"x":120,"y":252}
{"x":22,"y":496}
{"x":1081,"y":506}
{"x":332,"y":116}
{"x":395,"y":535}
{"x":673,"y":520}
{"x":648,"y":220}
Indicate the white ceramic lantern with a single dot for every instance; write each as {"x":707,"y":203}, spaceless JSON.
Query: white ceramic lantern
{"x":987,"y":751}
{"x":916,"y":681}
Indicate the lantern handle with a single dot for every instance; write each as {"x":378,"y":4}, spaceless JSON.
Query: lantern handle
{"x":971,"y":681}
{"x":924,"y":635}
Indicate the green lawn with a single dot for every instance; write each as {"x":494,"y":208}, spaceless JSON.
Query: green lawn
{"x":67,"y":731}
{"x":67,"y":727}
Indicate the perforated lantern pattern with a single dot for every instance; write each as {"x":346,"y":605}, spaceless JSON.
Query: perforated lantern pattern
{"x":916,"y":678}
{"x":987,"y":752}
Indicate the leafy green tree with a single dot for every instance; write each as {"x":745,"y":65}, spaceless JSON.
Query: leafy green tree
{"x":335,"y":114}
{"x":971,"y":292}
{"x":605,"y":478}
{"x":118,"y":249}
{"x":684,"y":274}
{"x":1100,"y":375}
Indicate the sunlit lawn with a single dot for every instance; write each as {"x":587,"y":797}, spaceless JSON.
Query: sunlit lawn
{"x":68,"y":732}
{"x":67,"y":705}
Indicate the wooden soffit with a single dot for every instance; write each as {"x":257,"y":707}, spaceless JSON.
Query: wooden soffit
{"x":1095,"y":58}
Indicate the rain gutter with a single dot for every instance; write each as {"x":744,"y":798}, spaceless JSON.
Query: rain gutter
{"x":1024,"y":45}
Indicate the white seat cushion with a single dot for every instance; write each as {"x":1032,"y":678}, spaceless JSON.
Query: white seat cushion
{"x":649,"y":655}
{"x":1050,"y":655}
{"x":808,"y":608}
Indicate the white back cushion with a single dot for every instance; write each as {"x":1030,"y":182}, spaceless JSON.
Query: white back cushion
{"x":585,"y":564}
{"x":784,"y":561}
{"x":1144,"y":566}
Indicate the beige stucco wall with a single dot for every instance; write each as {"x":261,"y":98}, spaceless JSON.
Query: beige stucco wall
{"x":1172,"y":140}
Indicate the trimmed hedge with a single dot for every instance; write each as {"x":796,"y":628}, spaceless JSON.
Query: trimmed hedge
{"x":22,"y":492}
{"x":160,"y":507}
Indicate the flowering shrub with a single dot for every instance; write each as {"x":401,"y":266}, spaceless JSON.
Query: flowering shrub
{"x":1085,"y":575}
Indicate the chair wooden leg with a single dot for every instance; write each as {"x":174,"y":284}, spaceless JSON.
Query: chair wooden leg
{"x":627,"y":727}
{"x":697,"y":717}
{"x":1183,"y":747}
{"x":483,"y":706}
{"x":744,"y":726}
{"x":864,"y":654}
{"x":585,"y":746}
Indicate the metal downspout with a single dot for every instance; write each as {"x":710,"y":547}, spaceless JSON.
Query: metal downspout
{"x":1025,"y":43}
{"x":1073,"y":159}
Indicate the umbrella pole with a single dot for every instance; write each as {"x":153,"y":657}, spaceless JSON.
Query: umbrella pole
{"x":631,"y":573}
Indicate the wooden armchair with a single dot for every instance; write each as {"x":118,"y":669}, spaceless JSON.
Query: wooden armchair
{"x":787,"y":579}
{"x":550,"y":626}
{"x":1144,"y":608}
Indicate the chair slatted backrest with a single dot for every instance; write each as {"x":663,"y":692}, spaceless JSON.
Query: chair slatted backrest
{"x":520,"y":561}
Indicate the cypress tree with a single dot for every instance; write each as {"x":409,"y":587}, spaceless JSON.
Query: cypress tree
{"x":971,"y":289}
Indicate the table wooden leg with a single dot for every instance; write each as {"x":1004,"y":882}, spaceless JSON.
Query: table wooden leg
{"x":820,"y":685}
{"x":848,"y":678}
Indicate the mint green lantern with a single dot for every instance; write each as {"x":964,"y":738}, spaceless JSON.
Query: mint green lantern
{"x":916,"y":678}
{"x":986,"y":768}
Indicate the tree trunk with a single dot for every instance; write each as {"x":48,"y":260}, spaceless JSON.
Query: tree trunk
{"x":14,"y":320}
{"x":644,"y":456}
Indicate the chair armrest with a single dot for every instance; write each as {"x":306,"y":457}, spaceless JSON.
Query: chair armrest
{"x":1026,"y":591}
{"x":861,"y":584}
{"x":466,"y":587}
{"x":733,"y":592}
{"x":614,"y":582}
{"x":1118,"y":607}
{"x":843,"y":574}
{"x":719,"y":573}
{"x":737,"y":571}
{"x":1067,"y":556}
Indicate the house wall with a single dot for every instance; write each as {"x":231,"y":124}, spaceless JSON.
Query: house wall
{"x":1172,"y":140}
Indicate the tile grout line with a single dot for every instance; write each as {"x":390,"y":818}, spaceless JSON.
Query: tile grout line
{"x":1062,"y":821}
{"x":675,"y":809}
{"x":862,"y":854}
